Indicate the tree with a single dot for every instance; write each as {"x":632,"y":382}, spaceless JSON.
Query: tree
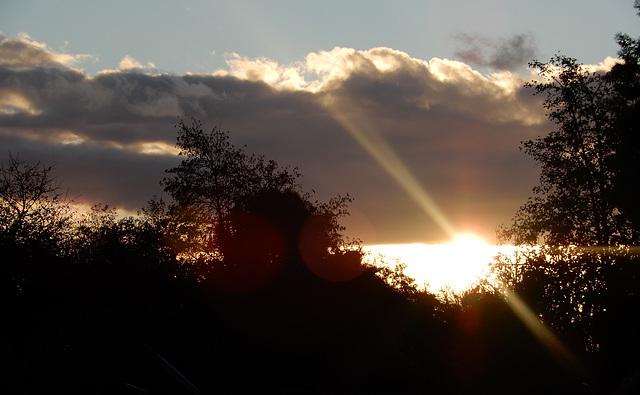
{"x":572,"y":205}
{"x":624,"y":78}
{"x":573,"y":220}
{"x":35,"y":218}
{"x":258,"y":239}
{"x":32,"y":204}
{"x":210,"y":180}
{"x":125,"y":244}
{"x":233,"y":213}
{"x":582,"y":223}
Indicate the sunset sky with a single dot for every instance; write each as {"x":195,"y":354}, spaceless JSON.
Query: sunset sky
{"x":414,"y":108}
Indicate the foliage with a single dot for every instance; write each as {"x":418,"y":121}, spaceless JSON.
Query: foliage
{"x":35,"y":217}
{"x":572,"y":204}
{"x":235,"y":216}
{"x":211,"y":178}
{"x":392,"y":271}
{"x":580,"y":229}
{"x":625,"y":81}
{"x":589,"y":165}
{"x":32,"y":205}
{"x":102,"y":238}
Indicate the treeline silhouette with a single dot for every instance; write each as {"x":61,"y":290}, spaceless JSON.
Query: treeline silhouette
{"x":240,"y":284}
{"x":243,"y":283}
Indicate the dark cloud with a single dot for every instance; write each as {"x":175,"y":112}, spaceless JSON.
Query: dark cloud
{"x":501,"y":54}
{"x":456,"y":131}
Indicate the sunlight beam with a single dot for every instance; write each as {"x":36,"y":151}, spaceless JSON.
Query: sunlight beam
{"x":544,"y":335}
{"x":357,"y":125}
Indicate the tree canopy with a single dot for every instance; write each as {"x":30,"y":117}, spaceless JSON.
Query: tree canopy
{"x":580,"y":161}
{"x":212,"y":178}
{"x":580,"y":270}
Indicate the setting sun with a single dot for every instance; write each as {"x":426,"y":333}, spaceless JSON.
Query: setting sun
{"x":454,"y":265}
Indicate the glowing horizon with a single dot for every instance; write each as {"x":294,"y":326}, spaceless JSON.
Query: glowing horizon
{"x":453,"y":265}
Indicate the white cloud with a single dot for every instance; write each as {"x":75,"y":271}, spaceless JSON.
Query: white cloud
{"x":24,"y":52}
{"x":332,"y":65}
{"x":129,"y":63}
{"x":452,"y":84}
{"x":605,"y":65}
{"x":265,"y":70}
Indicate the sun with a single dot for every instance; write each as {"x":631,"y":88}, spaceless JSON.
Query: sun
{"x":460,"y":262}
{"x":468,"y":240}
{"x":453,"y":265}
{"x":469,"y":259}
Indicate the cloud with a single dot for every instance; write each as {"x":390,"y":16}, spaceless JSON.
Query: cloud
{"x":391,"y":79}
{"x":129,"y":63}
{"x":264,"y":70}
{"x":501,"y":54}
{"x":455,"y":130}
{"x":23,"y":52}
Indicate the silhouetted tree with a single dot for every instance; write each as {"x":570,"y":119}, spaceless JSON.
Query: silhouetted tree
{"x":234,"y":210}
{"x":259,"y":237}
{"x":35,"y":219}
{"x":103,"y":239}
{"x":213,"y":176}
{"x":572,"y":204}
{"x":582,"y":225}
{"x":392,"y":271}
{"x":624,"y":78}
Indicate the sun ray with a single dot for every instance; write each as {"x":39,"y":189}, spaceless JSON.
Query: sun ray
{"x":544,"y":335}
{"x":356,"y":124}
{"x":470,"y":254}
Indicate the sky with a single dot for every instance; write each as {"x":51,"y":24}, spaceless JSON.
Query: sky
{"x":416,"y":109}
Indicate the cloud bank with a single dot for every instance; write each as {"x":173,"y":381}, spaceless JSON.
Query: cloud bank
{"x":335,"y":114}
